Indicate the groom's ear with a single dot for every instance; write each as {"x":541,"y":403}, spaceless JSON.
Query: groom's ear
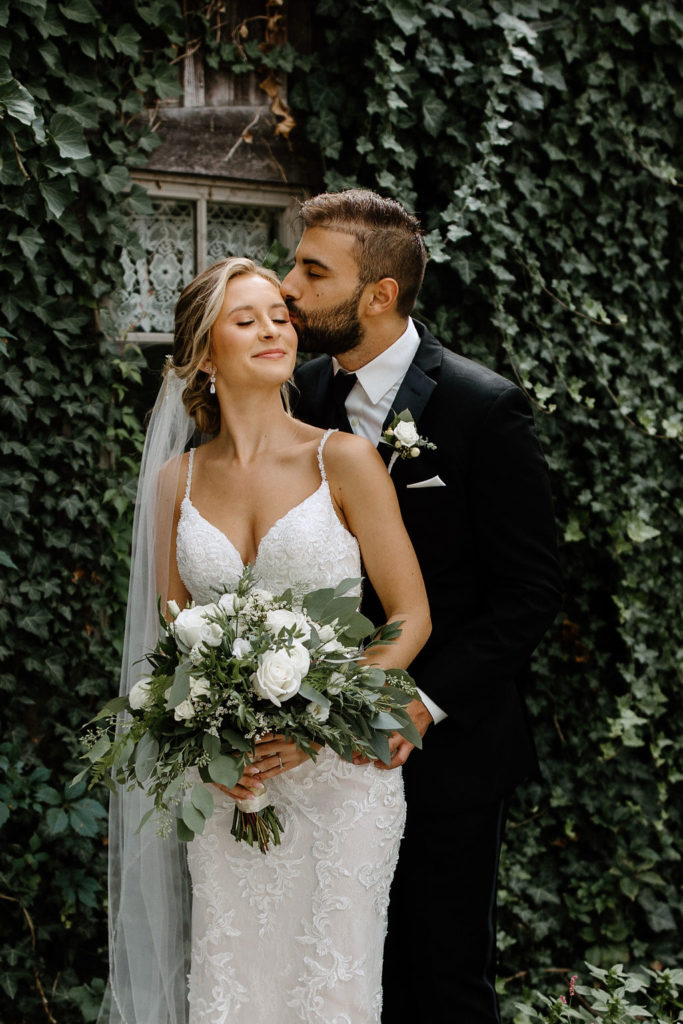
{"x":381,"y":296}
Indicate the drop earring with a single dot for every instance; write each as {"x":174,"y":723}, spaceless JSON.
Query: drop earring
{"x":212,"y":386}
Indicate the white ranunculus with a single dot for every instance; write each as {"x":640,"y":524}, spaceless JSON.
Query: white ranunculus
{"x":276,"y":678}
{"x":300,"y":658}
{"x":282,"y":618}
{"x":184,"y":710}
{"x":320,"y":713}
{"x":406,"y":433}
{"x":199,"y":686}
{"x":173,"y":608}
{"x":140,"y":695}
{"x":241,"y":648}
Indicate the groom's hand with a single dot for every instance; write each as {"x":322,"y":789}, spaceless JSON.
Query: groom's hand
{"x":400,"y":748}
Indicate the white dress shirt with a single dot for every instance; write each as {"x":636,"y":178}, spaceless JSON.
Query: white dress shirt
{"x":369,"y":401}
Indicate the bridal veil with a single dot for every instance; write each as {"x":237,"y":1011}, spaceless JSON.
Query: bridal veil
{"x":149,"y":896}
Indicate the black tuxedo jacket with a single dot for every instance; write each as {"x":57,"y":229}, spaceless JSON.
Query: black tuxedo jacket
{"x":485,"y":541}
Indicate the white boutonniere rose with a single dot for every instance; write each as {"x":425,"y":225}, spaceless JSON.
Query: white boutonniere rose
{"x":402,"y":435}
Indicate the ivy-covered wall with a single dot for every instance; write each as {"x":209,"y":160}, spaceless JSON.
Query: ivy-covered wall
{"x":537,"y":141}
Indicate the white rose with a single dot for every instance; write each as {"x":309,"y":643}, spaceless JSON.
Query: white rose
{"x":140,"y":694}
{"x":241,"y":648}
{"x":406,"y":433}
{"x":281,"y":618}
{"x":300,"y":658}
{"x":276,"y":678}
{"x":335,"y":683}
{"x":211,"y":634}
{"x":173,"y":608}
{"x":187,"y":628}
{"x":199,"y":686}
{"x":184,"y":710}
{"x":320,"y":713}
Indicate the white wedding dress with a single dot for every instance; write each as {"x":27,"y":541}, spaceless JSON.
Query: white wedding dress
{"x":296,"y":934}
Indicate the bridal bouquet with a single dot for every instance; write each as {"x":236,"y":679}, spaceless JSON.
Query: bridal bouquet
{"x":225,"y":675}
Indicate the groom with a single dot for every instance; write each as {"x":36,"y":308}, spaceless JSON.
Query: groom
{"x":478,"y":511}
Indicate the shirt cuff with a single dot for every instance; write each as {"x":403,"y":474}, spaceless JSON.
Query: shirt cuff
{"x":437,"y":713}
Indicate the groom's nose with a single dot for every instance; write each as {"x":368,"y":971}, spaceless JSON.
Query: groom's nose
{"x":288,"y":286}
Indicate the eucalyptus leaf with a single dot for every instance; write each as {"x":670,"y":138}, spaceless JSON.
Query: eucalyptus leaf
{"x":99,"y":748}
{"x":180,"y":687}
{"x":310,"y":693}
{"x":146,"y":755}
{"x":225,"y":770}
{"x":193,"y":818}
{"x":185,"y":834}
{"x":202,"y":799}
{"x":383,"y":720}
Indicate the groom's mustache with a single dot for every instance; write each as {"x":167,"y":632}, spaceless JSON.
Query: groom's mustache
{"x":295,"y":311}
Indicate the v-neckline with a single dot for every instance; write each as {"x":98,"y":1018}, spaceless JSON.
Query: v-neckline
{"x":270,"y":529}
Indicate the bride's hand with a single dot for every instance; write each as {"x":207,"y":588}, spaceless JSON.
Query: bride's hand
{"x":275,"y":755}
{"x":248,"y":787}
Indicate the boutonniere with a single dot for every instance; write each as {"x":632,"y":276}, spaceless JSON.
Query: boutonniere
{"x":402,"y":436}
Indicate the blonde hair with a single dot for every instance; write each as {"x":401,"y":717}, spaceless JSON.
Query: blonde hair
{"x":196,"y":312}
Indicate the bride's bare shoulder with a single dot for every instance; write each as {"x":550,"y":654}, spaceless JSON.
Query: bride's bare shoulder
{"x":347,"y":453}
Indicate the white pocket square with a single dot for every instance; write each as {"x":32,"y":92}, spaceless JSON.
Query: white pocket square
{"x":434,"y":481}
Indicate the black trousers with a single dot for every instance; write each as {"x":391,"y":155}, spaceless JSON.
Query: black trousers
{"x":440,"y":953}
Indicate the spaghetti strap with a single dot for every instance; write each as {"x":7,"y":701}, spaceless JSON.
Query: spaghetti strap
{"x":189,"y":473}
{"x":321,"y":466}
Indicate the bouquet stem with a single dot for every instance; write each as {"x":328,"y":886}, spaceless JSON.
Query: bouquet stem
{"x":261,"y":827}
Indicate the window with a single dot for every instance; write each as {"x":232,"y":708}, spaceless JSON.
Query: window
{"x":193,"y":224}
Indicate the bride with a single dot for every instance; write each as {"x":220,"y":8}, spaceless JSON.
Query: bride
{"x":295,"y":935}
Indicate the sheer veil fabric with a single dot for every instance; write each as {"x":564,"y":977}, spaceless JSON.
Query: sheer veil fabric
{"x":149,"y":892}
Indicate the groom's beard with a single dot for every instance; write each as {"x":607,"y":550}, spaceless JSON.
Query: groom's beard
{"x":333,"y":331}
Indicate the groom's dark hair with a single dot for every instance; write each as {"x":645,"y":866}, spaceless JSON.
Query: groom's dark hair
{"x":388,"y":243}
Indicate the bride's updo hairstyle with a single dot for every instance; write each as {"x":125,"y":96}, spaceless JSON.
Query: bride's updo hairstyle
{"x":196,"y":312}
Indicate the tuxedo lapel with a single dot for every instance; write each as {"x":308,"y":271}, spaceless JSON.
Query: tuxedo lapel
{"x":420,"y":380}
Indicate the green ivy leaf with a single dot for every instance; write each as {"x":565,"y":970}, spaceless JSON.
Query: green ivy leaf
{"x":67,"y":135}
{"x":81,"y":11}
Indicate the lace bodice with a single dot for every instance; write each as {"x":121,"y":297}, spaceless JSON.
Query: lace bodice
{"x":305,"y":549}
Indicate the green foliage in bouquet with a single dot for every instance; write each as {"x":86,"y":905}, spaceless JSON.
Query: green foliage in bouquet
{"x":229,"y":673}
